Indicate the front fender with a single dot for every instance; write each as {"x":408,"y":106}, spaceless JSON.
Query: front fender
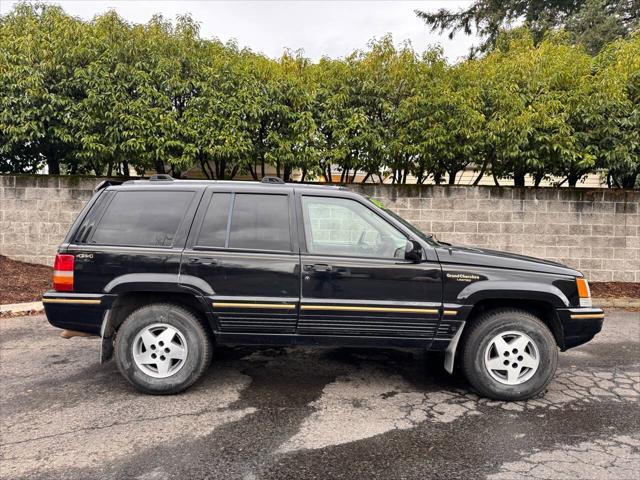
{"x":512,"y":290}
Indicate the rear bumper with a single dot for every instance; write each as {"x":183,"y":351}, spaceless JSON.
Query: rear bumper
{"x":580,"y":325}
{"x":81,"y":312}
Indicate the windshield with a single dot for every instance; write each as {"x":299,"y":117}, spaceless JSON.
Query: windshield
{"x":424,"y":236}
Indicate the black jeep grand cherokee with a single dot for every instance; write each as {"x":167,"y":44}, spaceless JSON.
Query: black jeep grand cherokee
{"x":163,"y":270}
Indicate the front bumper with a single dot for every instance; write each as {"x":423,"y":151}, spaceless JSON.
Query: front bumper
{"x":81,"y":312}
{"x":579,"y":325}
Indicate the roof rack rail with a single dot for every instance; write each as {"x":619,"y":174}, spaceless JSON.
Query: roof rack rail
{"x":107,"y":183}
{"x":268,"y":179}
{"x":161,"y":177}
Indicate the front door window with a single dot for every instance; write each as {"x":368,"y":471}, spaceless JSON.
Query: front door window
{"x":340,"y":226}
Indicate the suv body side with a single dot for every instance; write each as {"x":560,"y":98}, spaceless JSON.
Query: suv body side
{"x":295,"y":296}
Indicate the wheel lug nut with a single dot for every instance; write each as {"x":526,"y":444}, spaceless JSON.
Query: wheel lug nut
{"x":515,"y":350}
{"x":515,"y":365}
{"x":506,"y":362}
{"x":153,"y":355}
{"x":520,"y":358}
{"x":167,"y":350}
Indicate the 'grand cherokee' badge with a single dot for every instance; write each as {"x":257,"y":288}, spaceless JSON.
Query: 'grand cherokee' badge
{"x":463,"y":277}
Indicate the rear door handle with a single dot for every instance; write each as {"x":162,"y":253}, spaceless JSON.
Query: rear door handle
{"x":319,"y":267}
{"x":202,"y":261}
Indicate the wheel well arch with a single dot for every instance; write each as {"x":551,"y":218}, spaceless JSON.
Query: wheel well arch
{"x":543,"y":310}
{"x":127,"y":302}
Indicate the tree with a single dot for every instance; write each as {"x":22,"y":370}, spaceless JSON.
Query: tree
{"x":37,"y":64}
{"x":530,"y":95}
{"x":613,"y":132}
{"x":593,"y":22}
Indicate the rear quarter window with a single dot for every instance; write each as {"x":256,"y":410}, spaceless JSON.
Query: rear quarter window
{"x":142,"y":218}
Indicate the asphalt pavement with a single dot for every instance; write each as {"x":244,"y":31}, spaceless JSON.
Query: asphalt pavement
{"x":313,"y":413}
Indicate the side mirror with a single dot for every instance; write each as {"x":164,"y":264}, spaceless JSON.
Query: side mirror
{"x":413,"y":251}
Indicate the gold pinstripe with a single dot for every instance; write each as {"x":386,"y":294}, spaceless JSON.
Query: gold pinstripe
{"x":578,"y":316}
{"x":368,"y":309}
{"x":253,"y":305}
{"x":70,"y":300}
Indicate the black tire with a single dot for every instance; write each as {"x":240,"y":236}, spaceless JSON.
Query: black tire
{"x":199,"y":348}
{"x":478,"y":337}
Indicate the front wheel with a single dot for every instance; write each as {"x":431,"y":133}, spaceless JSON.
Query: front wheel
{"x":509,"y":354}
{"x":162,"y":349}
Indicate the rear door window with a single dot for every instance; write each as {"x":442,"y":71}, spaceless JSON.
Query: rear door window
{"x":142,"y":218}
{"x":214,"y":226}
{"x":260,"y":222}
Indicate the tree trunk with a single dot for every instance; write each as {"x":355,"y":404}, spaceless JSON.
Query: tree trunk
{"x":203,"y":166}
{"x":572,"y":178}
{"x":54,"y":165}
{"x":252,"y":171}
{"x":537,"y":179}
{"x":519,"y":179}
{"x":159,"y":166}
{"x":481,"y":174}
{"x":287,"y":173}
{"x":364,"y":180}
{"x":495,"y":178}
{"x":452,"y":177}
{"x":437,"y":178}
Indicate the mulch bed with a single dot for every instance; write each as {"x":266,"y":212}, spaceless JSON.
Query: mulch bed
{"x":615,"y":289}
{"x":26,"y":282}
{"x":23,"y":282}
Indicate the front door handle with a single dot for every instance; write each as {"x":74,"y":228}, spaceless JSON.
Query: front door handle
{"x":202,"y":261}
{"x":319,"y":267}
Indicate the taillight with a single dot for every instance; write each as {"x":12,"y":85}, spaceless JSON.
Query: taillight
{"x":584,"y":292}
{"x":63,"y":273}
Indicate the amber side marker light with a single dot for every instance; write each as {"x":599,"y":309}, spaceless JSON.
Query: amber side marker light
{"x":584,"y":292}
{"x":63,"y":273}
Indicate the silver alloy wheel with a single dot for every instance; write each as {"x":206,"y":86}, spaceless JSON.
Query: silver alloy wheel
{"x":160,"y":350}
{"x":512,"y":358}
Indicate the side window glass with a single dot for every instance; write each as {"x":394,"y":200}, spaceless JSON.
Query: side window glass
{"x":260,"y":222}
{"x":214,"y":226}
{"x":340,"y":226}
{"x":142,"y":218}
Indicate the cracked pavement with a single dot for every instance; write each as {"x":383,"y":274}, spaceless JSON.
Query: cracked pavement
{"x":277,"y":413}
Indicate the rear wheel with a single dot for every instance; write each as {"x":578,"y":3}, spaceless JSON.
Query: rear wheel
{"x":162,"y":349}
{"x":509,"y":354}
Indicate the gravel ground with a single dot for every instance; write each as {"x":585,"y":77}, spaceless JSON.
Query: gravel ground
{"x":313,"y":413}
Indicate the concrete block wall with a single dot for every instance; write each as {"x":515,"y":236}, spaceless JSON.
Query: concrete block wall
{"x":36,"y":211}
{"x":596,"y":231}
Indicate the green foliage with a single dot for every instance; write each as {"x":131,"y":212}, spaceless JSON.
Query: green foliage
{"x":592,"y":23}
{"x":102,"y":96}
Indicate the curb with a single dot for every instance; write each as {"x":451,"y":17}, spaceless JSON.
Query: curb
{"x":622,"y":302}
{"x":14,"y":309}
